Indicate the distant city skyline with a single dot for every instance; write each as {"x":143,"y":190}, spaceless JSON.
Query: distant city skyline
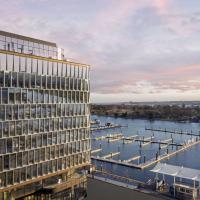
{"x":145,"y":50}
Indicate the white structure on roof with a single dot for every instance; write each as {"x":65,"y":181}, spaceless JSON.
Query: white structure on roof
{"x":182,"y":173}
{"x":177,"y":171}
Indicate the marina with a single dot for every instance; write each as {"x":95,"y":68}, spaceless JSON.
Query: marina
{"x":140,"y":149}
{"x":136,"y":152}
{"x":146,"y":164}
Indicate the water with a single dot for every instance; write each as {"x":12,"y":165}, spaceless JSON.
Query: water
{"x":189,"y":158}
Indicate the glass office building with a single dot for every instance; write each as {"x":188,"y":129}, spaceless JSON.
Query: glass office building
{"x":44,"y":121}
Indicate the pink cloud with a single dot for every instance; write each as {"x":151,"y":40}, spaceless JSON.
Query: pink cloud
{"x":161,"y":5}
{"x":180,"y":79}
{"x":114,"y":13}
{"x":188,"y":72}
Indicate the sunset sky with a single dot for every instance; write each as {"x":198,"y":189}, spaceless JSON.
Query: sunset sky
{"x":139,"y":50}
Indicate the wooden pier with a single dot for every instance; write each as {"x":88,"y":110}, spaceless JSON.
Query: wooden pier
{"x":110,"y":155}
{"x":181,"y":132}
{"x":163,"y":146}
{"x":145,"y":144}
{"x":142,"y":139}
{"x":145,"y":141}
{"x":129,"y":139}
{"x":99,"y":138}
{"x":132,"y":159}
{"x":99,"y":128}
{"x":96,"y":151}
{"x":115,"y":137}
{"x":110,"y":136}
{"x":167,"y":141}
{"x":118,"y":162}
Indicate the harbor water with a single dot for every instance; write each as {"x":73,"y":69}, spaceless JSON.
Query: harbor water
{"x":189,"y":158}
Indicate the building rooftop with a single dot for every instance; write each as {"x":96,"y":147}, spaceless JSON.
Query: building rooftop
{"x":99,"y":190}
{"x":21,"y":37}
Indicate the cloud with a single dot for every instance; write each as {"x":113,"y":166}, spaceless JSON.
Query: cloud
{"x":134,"y":47}
{"x":162,"y":6}
{"x":180,"y":79}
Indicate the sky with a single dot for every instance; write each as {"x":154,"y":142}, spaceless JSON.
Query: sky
{"x":139,"y":50}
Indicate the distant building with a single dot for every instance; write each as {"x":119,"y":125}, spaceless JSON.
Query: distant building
{"x":44,"y":121}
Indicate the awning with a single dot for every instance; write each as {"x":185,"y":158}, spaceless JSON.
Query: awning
{"x":178,"y":171}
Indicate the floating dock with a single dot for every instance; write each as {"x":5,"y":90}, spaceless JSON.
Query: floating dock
{"x":110,"y":136}
{"x":118,"y":162}
{"x":167,"y":156}
{"x":115,"y":137}
{"x":96,"y":151}
{"x":99,"y":138}
{"x":181,"y":132}
{"x":167,"y":141}
{"x":135,"y":138}
{"x":132,"y":159}
{"x":149,"y":162}
{"x":145,"y":144}
{"x":147,"y":141}
{"x":129,"y":139}
{"x":110,"y":155}
{"x":106,"y":127}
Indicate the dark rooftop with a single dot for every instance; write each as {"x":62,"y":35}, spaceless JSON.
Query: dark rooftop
{"x":98,"y":190}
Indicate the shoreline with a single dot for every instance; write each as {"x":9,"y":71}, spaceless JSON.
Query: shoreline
{"x":152,"y":120}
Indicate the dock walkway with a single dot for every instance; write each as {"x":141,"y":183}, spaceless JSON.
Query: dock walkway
{"x":172,"y":131}
{"x":118,"y":162}
{"x":106,"y":127}
{"x":147,"y":163}
{"x":167,"y":156}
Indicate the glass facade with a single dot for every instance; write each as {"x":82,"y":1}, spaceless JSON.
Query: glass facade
{"x":44,"y":114}
{"x":26,"y":45}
